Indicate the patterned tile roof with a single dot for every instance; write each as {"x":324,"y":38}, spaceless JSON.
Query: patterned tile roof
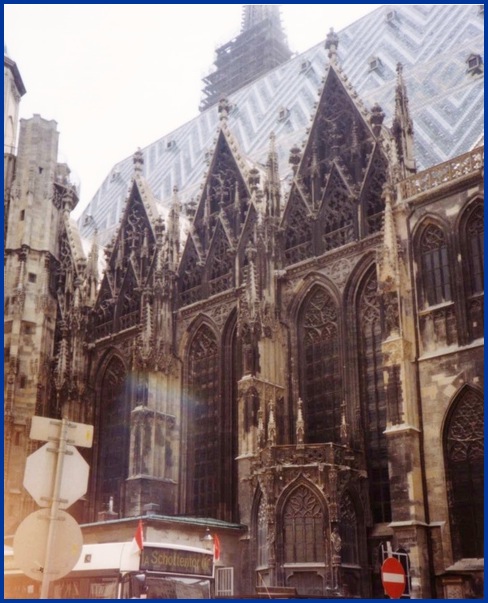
{"x":446,"y":100}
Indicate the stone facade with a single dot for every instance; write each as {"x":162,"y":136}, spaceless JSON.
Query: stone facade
{"x":307,"y":367}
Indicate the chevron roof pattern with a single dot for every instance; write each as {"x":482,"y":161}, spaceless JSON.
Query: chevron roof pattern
{"x":446,"y":101}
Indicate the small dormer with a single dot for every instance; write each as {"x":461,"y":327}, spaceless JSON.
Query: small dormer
{"x":170,"y":145}
{"x":391,"y":16}
{"x":283,"y":113}
{"x":474,"y":64}
{"x":305,"y":66}
{"x":374,"y":64}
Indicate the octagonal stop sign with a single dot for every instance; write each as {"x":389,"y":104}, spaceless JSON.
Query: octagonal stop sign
{"x":40,"y":471}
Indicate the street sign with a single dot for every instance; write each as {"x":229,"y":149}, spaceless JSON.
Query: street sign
{"x":30,"y":545}
{"x":40,"y":470}
{"x":46,"y":429}
{"x":393,"y":578}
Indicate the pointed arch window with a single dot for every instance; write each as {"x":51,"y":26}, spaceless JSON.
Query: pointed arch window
{"x":373,"y":397}
{"x":464,"y":459}
{"x":321,"y":376}
{"x":303,"y":528}
{"x":113,"y":458}
{"x":473,"y":269}
{"x":435,"y":274}
{"x":262,"y":534}
{"x":349,"y":531}
{"x":204,"y":423}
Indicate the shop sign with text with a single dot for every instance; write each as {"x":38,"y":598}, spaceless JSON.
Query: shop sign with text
{"x":173,"y":561}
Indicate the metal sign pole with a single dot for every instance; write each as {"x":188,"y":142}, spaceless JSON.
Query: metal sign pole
{"x":61,"y":450}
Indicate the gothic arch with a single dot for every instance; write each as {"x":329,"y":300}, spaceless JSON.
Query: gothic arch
{"x":231,"y":371}
{"x":372,"y":396}
{"x":187,"y":336}
{"x":351,"y":370}
{"x":260,"y":533}
{"x":201,"y":421}
{"x":309,"y":281}
{"x":433,"y":250}
{"x":302,"y":536}
{"x":463,"y":445}
{"x":320,"y":378}
{"x":471,"y":246}
{"x":112,"y":430}
{"x":302,"y":541}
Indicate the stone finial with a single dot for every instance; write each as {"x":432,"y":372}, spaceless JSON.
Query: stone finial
{"x":376,"y":119}
{"x":224,"y":108}
{"x":344,"y":429}
{"x":331,"y":44}
{"x":271,"y":426}
{"x":295,"y":158}
{"x":300,"y":429}
{"x":138,"y":160}
{"x":253,"y":178}
{"x":402,"y":128}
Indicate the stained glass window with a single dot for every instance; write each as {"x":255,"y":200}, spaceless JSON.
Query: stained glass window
{"x":321,"y":376}
{"x":464,"y":456}
{"x":204,"y":423}
{"x":473,"y":268}
{"x":436,"y":280}
{"x":114,"y":435}
{"x":373,"y":398}
{"x":303,"y":520}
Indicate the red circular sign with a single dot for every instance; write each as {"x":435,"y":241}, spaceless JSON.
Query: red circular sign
{"x":393,"y":578}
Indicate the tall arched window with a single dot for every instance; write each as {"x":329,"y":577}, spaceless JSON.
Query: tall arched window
{"x":464,"y":458}
{"x":349,"y":531}
{"x":373,"y":398}
{"x":262,"y":534}
{"x":436,"y":281}
{"x":473,"y":269}
{"x":114,"y":434}
{"x":303,"y":527}
{"x":203,"y":425}
{"x":321,"y":376}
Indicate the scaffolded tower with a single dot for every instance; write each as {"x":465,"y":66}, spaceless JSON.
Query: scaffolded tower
{"x":260,"y":46}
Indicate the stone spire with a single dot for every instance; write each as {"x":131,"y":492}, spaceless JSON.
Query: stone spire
{"x":388,"y":265}
{"x":273,"y":183}
{"x":402,"y":128}
{"x":91,"y":274}
{"x":173,"y":231}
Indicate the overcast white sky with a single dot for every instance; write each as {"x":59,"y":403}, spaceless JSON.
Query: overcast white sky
{"x":120,"y":76}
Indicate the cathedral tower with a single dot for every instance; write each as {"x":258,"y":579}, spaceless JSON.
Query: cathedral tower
{"x":260,"y":47}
